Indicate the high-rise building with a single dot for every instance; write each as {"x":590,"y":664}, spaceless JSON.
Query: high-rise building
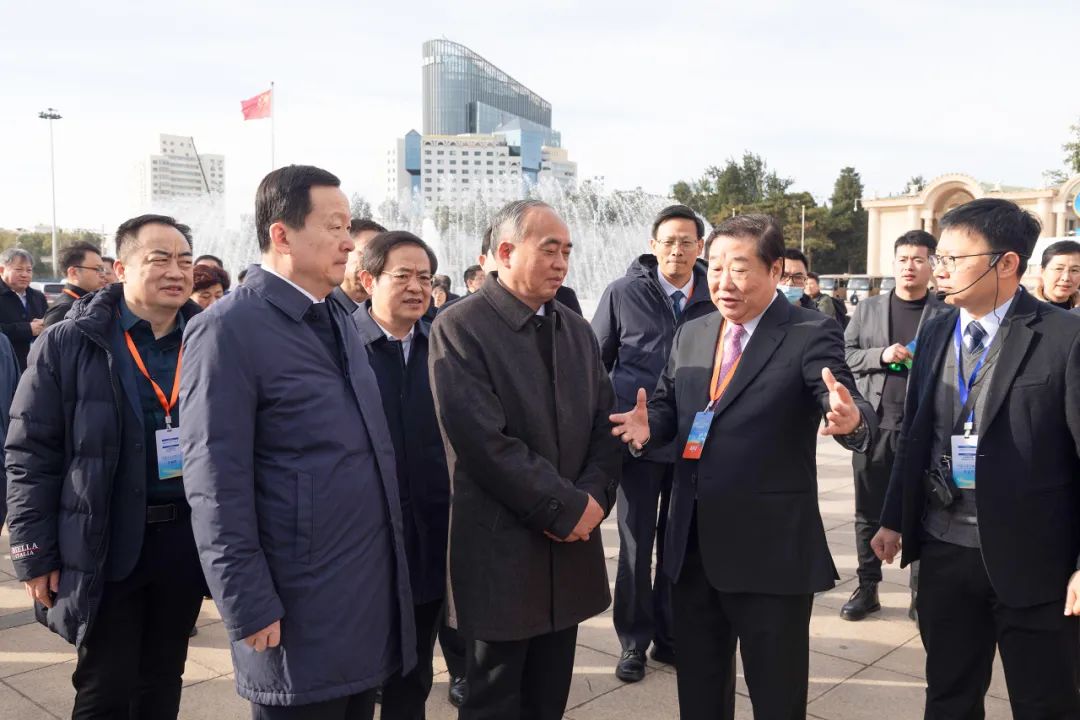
{"x":180,"y":172}
{"x":466,"y":94}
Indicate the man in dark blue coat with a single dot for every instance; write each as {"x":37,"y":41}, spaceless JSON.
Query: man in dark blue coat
{"x":100,"y":529}
{"x":290,"y":470}
{"x":397,"y":275}
{"x":21,"y":306}
{"x":635,"y":323}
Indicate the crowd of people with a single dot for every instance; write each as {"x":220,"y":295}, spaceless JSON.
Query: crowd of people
{"x":367,"y":464}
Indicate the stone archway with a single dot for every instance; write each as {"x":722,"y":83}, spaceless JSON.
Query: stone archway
{"x":945,"y":193}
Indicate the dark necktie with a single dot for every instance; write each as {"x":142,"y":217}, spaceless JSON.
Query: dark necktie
{"x":318,"y":317}
{"x":974,"y":336}
{"x":676,"y":304}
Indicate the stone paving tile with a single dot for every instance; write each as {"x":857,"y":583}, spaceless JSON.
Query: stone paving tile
{"x":14,"y":706}
{"x":215,"y":699}
{"x":13,"y":597}
{"x":863,"y":642}
{"x":910,"y":659}
{"x":50,"y":687}
{"x":29,"y":647}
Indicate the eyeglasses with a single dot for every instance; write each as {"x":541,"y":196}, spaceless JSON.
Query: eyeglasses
{"x":403,"y":279}
{"x":948,"y":262}
{"x":99,"y":270}
{"x":797,"y":279}
{"x":682,"y":244}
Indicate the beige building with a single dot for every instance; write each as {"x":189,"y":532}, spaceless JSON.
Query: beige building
{"x":889,"y":218}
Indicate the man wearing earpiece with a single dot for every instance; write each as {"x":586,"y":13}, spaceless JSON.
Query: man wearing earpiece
{"x":985,"y":490}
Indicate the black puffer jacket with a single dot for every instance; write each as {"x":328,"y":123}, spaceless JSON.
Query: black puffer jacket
{"x":76,"y":463}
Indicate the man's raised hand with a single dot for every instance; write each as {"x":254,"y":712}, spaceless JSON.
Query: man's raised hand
{"x":633,"y":427}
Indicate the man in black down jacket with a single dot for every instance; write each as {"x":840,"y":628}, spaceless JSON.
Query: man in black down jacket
{"x":636,"y":322}
{"x":21,"y":306}
{"x":100,"y":530}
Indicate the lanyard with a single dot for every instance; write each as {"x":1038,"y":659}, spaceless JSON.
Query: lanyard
{"x":166,"y":405}
{"x":72,"y":293}
{"x":965,"y":388}
{"x":718,"y":384}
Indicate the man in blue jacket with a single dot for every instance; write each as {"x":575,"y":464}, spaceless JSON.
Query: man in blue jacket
{"x":636,"y":322}
{"x":100,"y":530}
{"x":290,"y":470}
{"x":397,"y":275}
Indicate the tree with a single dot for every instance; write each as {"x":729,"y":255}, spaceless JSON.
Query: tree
{"x":39,"y":245}
{"x":735,"y":184}
{"x":845,"y":225}
{"x":359,"y":208}
{"x":916,"y":184}
{"x":1072,"y":149}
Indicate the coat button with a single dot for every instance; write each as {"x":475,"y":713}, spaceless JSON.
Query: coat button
{"x":553,"y":505}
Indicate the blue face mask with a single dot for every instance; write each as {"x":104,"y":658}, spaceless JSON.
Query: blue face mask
{"x":790,"y":292}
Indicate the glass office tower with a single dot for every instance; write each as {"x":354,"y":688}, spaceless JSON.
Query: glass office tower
{"x":464,"y":93}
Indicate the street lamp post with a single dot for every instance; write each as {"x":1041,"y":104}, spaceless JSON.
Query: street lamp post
{"x":51,"y":114}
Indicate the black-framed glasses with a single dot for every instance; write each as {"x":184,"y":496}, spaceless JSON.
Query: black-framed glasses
{"x":796,"y":279}
{"x":100,"y":270}
{"x":948,"y":262}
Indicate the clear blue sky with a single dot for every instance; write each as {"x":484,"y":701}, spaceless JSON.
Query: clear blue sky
{"x":643,"y":93}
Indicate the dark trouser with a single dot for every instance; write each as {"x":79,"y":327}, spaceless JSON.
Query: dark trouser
{"x":872,"y":472}
{"x":453,"y":649}
{"x":519,"y":679}
{"x":131,"y":662}
{"x":642,"y":607}
{"x":403,"y":697}
{"x":351,"y":707}
{"x":774,"y":636}
{"x":961,"y":622}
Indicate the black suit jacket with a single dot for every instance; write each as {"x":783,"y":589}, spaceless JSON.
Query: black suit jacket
{"x":758,"y":522}
{"x":1027,"y":467}
{"x":15,"y":320}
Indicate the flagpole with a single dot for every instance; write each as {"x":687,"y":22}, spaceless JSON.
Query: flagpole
{"x":273,"y":111}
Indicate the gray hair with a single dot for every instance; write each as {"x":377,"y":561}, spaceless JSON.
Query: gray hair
{"x":510,"y":220}
{"x":13,"y":253}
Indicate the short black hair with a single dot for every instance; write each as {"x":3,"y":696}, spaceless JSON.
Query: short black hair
{"x":359,"y":225}
{"x":1006,"y":226}
{"x":240,"y":276}
{"x":672,"y":212}
{"x":129,"y":229}
{"x":797,"y":255}
{"x":442,"y":281}
{"x":215,"y":258}
{"x":1061,"y":247}
{"x":379,"y":247}
{"x":75,"y":254}
{"x":485,"y":242}
{"x":812,"y":275}
{"x":108,"y":259}
{"x":918,"y":238}
{"x":472,"y":271}
{"x":765,"y":229}
{"x":284,"y":195}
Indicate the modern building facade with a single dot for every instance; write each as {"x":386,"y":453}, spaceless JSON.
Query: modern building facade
{"x":889,"y":218}
{"x":466,"y":94}
{"x":179,"y":171}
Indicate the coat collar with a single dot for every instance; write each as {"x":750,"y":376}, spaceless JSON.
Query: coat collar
{"x":370,"y":330}
{"x":513,"y":312}
{"x":277,"y":292}
{"x":343,"y":298}
{"x":763,"y":343}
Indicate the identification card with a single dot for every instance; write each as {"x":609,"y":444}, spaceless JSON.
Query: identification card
{"x":170,"y":460}
{"x":695,"y":441}
{"x":963,"y":460}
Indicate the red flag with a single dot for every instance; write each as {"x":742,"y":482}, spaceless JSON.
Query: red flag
{"x":257,"y":107}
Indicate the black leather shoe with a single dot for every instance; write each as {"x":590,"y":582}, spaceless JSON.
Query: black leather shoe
{"x":631,"y":667}
{"x":663,"y":654}
{"x":863,"y":602}
{"x":456,"y":693}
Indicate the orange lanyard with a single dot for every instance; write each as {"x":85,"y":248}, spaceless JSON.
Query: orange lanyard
{"x":718,"y":385}
{"x":166,"y":405}
{"x":72,"y":293}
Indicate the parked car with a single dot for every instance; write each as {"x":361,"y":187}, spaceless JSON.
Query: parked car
{"x":835,"y":285}
{"x":51,"y":288}
{"x":887,"y":284}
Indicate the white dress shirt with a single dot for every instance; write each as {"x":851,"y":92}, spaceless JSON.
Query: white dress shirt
{"x":406,"y":342}
{"x":990,"y":322}
{"x":686,"y":289}
{"x":308,"y":295}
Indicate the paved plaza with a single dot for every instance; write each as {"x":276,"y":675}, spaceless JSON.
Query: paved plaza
{"x":870,"y":669}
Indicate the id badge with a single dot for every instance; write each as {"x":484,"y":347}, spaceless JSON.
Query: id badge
{"x":170,"y":460}
{"x":963,"y":460}
{"x":695,"y":441}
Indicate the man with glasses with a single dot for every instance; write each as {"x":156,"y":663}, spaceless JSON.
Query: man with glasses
{"x":793,"y":280}
{"x":21,"y":306}
{"x":636,"y":322}
{"x":879,"y":349}
{"x":986,"y":483}
{"x":84,"y":272}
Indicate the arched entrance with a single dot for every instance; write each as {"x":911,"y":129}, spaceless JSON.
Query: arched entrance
{"x":942,"y":195}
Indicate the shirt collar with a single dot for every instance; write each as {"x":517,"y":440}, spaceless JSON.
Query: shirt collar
{"x":389,"y":335}
{"x":306,"y":294}
{"x":686,"y":289}
{"x":990,"y":322}
{"x":128,"y":319}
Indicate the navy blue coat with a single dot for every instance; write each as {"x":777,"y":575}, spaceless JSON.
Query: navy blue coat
{"x":15,"y":319}
{"x":635,"y":324}
{"x":289,"y":470}
{"x":423,"y":480}
{"x":76,"y":464}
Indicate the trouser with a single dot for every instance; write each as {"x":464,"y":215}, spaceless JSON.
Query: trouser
{"x":519,"y":679}
{"x":131,"y":662}
{"x":453,"y":649}
{"x":351,"y":707}
{"x":773,"y":632}
{"x":404,"y":696}
{"x":962,"y":622}
{"x":642,"y":606}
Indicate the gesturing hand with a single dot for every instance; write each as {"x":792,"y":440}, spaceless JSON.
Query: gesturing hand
{"x":42,"y":588}
{"x":268,"y":637}
{"x":633,"y":426}
{"x":843,"y":416}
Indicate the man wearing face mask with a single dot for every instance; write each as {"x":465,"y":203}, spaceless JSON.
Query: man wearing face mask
{"x":986,"y":484}
{"x":793,"y":280}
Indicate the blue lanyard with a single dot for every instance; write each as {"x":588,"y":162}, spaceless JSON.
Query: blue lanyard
{"x":965,"y":388}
